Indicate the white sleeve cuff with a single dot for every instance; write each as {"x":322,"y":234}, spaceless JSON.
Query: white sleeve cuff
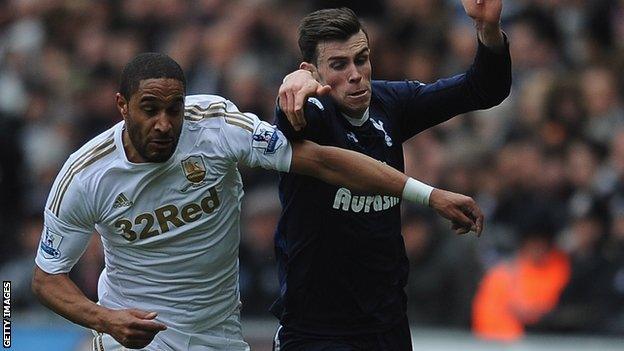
{"x":417,"y":192}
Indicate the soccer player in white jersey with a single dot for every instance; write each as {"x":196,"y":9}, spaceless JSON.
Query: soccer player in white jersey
{"x":163,"y":190}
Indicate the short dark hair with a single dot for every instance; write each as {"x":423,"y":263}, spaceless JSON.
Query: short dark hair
{"x":148,"y":65}
{"x":324,"y":25}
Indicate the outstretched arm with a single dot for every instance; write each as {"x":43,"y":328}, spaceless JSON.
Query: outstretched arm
{"x":362,"y":173}
{"x":132,"y":328}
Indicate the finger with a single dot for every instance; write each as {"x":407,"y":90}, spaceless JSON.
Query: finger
{"x":461,"y":230}
{"x":323,"y":89}
{"x":148,"y":325}
{"x":461,"y":218}
{"x":301,"y":122}
{"x":287,"y":110}
{"x":302,"y":95}
{"x":479,"y":2}
{"x":300,"y":100}
{"x":474,"y":212}
{"x":141,"y":314}
{"x":292,"y":117}
{"x":478,"y":218}
{"x":282,"y":100}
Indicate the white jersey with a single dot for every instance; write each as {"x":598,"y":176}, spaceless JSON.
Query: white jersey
{"x":170,"y":230}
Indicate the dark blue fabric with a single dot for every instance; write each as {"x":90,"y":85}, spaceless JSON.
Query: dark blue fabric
{"x":341,"y":257}
{"x":397,"y":338}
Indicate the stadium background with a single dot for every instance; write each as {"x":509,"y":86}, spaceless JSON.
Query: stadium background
{"x":552,"y":154}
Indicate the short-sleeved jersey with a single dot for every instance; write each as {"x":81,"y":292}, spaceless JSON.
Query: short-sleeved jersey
{"x":342,"y":260}
{"x":170,"y":230}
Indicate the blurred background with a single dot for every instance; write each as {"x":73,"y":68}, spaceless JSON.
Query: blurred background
{"x":546,"y":166}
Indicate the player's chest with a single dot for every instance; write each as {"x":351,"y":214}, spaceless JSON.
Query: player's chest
{"x":374,"y":138}
{"x":155,"y":204}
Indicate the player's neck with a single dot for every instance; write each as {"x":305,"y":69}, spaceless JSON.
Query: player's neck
{"x":131,"y":152}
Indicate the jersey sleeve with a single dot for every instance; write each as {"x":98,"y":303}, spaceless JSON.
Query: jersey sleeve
{"x":485,"y":84}
{"x":254,"y":142}
{"x":68,"y":226}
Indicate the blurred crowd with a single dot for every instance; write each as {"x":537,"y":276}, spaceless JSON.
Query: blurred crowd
{"x":546,"y":166}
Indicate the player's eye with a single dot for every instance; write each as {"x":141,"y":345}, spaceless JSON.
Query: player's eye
{"x":338,"y":65}
{"x":150,"y":111}
{"x":361,"y":60}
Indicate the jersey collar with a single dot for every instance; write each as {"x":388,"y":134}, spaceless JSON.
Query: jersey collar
{"x":357,"y":122}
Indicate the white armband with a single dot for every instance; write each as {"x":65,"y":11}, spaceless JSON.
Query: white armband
{"x":417,"y":192}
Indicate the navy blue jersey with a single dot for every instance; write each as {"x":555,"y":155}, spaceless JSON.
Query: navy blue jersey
{"x":341,"y":256}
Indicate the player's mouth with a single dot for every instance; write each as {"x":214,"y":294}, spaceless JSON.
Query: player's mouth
{"x":162,"y":143}
{"x":358,"y":94}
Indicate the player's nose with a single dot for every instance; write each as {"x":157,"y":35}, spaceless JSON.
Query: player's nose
{"x":354,"y":75}
{"x":163,"y":124}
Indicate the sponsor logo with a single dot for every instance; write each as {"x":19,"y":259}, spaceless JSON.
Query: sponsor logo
{"x":50,"y":245}
{"x":267,"y":138}
{"x":379,"y":126}
{"x":122,"y":201}
{"x":166,"y":218}
{"x":354,"y":203}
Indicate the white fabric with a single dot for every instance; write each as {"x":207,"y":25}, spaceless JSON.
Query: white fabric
{"x":358,"y":122}
{"x":170,"y":230}
{"x":226,"y":336}
{"x":417,"y":192}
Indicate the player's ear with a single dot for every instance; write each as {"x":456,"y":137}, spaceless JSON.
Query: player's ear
{"x":310,"y":67}
{"x":122,"y":105}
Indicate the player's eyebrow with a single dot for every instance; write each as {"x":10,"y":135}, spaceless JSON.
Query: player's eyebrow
{"x":344,"y":57}
{"x":152,"y":98}
{"x":148,"y":98}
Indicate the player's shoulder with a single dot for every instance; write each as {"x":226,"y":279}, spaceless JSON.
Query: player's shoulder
{"x":97,"y":150}
{"x":87,"y":165}
{"x":202,"y":101}
{"x":390,"y":90}
{"x":217,"y":112}
{"x":393,"y":86}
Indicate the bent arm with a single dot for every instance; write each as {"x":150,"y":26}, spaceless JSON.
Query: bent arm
{"x":59,"y":293}
{"x":132,"y":328}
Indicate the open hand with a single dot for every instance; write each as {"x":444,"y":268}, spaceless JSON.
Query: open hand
{"x":293,"y":93}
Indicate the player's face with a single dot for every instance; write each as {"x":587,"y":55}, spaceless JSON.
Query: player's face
{"x":346,"y":67}
{"x":153,"y":119}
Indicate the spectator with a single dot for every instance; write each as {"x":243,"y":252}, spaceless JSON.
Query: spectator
{"x":519,"y":292}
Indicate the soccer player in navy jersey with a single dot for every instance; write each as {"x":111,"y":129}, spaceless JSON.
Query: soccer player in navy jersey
{"x":341,"y":256}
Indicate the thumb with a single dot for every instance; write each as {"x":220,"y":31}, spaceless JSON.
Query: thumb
{"x":142,"y":314}
{"x":323,"y":89}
